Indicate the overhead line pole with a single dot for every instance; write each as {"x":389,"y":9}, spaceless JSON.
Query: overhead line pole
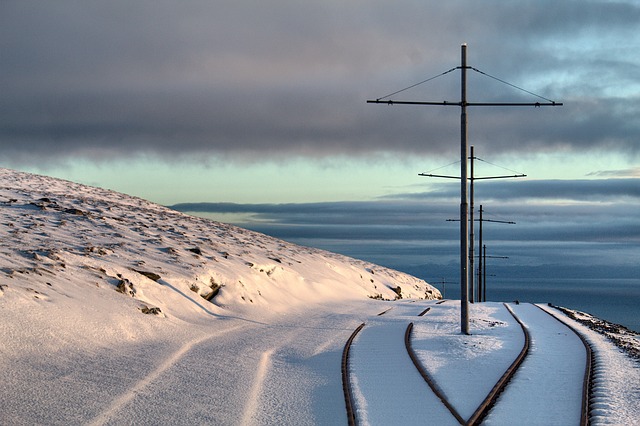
{"x":482,"y":291}
{"x":464,"y":237}
{"x":484,"y":260}
{"x":472,"y":178}
{"x":464,"y":206}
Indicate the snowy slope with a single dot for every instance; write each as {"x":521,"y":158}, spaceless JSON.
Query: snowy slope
{"x":55,"y":230}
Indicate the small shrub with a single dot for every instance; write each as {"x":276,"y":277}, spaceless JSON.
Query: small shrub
{"x":125,"y":287}
{"x":151,"y":275}
{"x":377,"y":296}
{"x":148,"y":310}
{"x":398,"y":291}
{"x":215,"y":289}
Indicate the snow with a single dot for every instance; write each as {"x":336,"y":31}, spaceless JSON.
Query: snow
{"x":550,"y":379}
{"x":382,"y":366}
{"x":267,"y":348}
{"x":467,"y":367}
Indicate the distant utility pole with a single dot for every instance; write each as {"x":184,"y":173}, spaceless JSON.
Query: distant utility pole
{"x":442,"y":281}
{"x":464,"y":207}
{"x":484,"y":260}
{"x":472,"y":178}
{"x":481,"y":279}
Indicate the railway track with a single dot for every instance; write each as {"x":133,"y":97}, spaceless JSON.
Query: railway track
{"x":589,"y":371}
{"x":491,"y":399}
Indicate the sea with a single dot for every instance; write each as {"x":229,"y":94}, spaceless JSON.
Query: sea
{"x":614,"y":300}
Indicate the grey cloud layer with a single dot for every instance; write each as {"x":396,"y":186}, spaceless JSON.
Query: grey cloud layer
{"x":593,"y":231}
{"x":114,"y":78}
{"x":595,"y":211}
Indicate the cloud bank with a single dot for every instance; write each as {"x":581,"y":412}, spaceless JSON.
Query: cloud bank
{"x":563,"y":228}
{"x":254,"y":79}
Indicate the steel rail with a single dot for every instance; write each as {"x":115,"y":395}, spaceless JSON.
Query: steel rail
{"x":493,"y":394}
{"x":501,"y":384}
{"x":423,"y":372}
{"x":346,"y":380}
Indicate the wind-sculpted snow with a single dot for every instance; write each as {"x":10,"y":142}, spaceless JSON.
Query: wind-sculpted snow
{"x":57,"y":229}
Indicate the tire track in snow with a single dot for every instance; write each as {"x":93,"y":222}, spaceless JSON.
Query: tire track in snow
{"x":126,"y":397}
{"x":256,"y":389}
{"x":251,"y":411}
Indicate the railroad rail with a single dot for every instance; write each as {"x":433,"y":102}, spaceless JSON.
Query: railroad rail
{"x":492,"y":397}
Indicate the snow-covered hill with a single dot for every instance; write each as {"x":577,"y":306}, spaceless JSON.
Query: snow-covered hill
{"x":63,"y":239}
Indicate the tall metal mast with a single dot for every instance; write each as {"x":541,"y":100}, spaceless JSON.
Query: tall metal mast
{"x":482,"y":291}
{"x":464,"y":207}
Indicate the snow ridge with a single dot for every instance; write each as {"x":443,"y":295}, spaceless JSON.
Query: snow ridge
{"x":164,"y":259}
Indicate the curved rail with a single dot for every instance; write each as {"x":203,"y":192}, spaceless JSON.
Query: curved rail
{"x":434,"y":387}
{"x":424,"y":312}
{"x":346,"y":381}
{"x":492,"y":396}
{"x":501,"y":384}
{"x":587,"y":383}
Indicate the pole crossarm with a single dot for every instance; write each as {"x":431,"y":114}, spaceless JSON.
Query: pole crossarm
{"x":474,"y":178}
{"x":390,"y":102}
{"x":484,"y":220}
{"x":499,"y":177}
{"x":533,"y":104}
{"x":470,"y":104}
{"x":496,"y":221}
{"x":438,"y":176}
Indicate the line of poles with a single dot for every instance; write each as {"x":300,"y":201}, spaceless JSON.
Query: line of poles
{"x":464,"y":154}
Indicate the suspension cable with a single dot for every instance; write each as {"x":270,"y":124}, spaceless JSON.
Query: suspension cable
{"x":495,"y":165}
{"x":417,"y":84}
{"x":509,"y":84}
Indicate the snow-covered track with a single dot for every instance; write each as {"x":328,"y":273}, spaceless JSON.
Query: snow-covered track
{"x":434,"y":387}
{"x":556,"y":362}
{"x":590,"y":367}
{"x":488,"y":402}
{"x":552,"y":355}
{"x":378,"y":364}
{"x":499,"y":387}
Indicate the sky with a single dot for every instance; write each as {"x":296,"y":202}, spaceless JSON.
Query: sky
{"x":255,"y":112}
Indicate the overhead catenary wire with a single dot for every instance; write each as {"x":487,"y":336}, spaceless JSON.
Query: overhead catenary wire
{"x":418,"y":84}
{"x":498,"y":166}
{"x":509,"y":84}
{"x":473,"y":69}
{"x":441,"y":167}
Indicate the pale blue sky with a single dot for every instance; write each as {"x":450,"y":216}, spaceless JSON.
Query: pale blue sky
{"x":302,"y":180}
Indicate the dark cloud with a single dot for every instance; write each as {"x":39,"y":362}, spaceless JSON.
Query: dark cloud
{"x":552,"y":246}
{"x":249,"y":78}
{"x":568,"y":224}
